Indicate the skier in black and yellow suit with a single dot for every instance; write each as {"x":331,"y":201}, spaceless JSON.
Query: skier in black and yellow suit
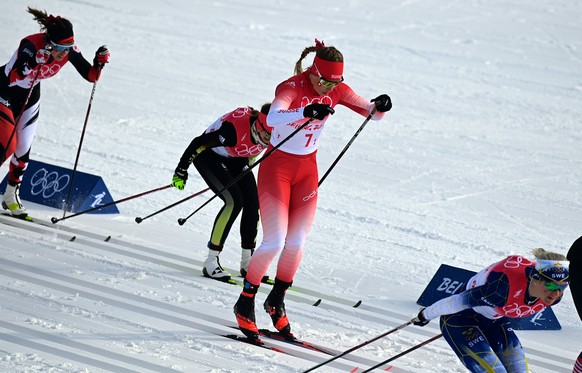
{"x":224,"y":151}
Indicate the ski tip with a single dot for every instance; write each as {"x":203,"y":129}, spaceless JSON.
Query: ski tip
{"x":317,"y":303}
{"x":107,"y":239}
{"x":224,"y":280}
{"x":358,"y":303}
{"x":72,"y":238}
{"x":24,"y":217}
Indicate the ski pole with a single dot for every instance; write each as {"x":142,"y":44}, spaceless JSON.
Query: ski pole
{"x":404,"y":353}
{"x":347,"y":146}
{"x":359,"y":346}
{"x":20,"y":115}
{"x":139,"y":220}
{"x":55,"y":220}
{"x":181,"y":221}
{"x":80,"y":144}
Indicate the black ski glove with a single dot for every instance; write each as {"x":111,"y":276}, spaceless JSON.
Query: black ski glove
{"x":383,"y":103}
{"x":317,"y":111}
{"x":420,"y":319}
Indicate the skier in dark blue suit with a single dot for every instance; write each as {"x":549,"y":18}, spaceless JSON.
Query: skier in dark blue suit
{"x":475,"y":322}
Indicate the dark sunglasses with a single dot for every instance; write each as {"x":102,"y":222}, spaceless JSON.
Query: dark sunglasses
{"x":552,"y":286}
{"x":327,"y":83}
{"x":255,"y":132}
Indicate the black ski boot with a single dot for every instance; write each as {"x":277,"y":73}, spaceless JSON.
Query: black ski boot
{"x":275,"y":307}
{"x":244,"y":310}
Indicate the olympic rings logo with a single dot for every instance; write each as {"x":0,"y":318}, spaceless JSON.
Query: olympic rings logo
{"x":240,"y":112}
{"x":518,"y":311}
{"x":318,"y":100}
{"x":48,"y":183}
{"x":516,"y":262}
{"x":244,"y":150}
{"x":48,"y":70}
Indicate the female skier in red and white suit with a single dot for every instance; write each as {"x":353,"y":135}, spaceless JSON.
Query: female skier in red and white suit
{"x":288,"y":178}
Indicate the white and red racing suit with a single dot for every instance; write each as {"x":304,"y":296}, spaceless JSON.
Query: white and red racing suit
{"x":288,"y":178}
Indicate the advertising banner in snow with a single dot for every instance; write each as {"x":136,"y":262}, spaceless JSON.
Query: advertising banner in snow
{"x":49,"y":185}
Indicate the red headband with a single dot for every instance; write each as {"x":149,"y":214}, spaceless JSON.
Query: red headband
{"x":327,"y":70}
{"x":59,"y":32}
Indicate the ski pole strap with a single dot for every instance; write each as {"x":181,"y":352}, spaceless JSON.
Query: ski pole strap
{"x":181,"y":221}
{"x":55,"y":220}
{"x":359,"y":346}
{"x":403,"y":353}
{"x":139,"y":220}
{"x":347,"y":146}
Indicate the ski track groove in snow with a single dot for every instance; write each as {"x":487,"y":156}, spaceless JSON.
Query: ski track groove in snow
{"x":131,"y":303}
{"x":478,"y":159}
{"x":190,"y":318}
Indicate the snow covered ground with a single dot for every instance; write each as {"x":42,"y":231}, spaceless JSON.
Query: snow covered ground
{"x":479,"y":158}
